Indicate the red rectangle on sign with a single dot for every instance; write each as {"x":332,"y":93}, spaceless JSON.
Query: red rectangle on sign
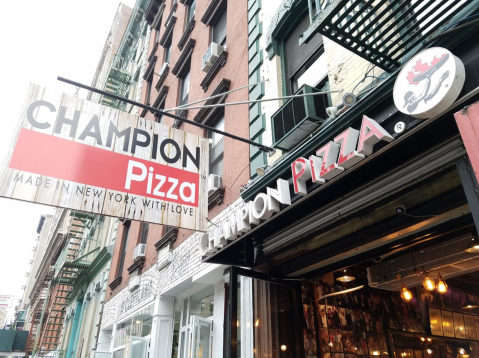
{"x":60,"y":158}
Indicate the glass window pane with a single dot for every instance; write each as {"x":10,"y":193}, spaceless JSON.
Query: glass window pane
{"x":200,"y":303}
{"x":315,"y":73}
{"x":142,"y":322}
{"x":139,"y":348}
{"x":216,"y":137}
{"x":191,"y":11}
{"x":219,"y":30}
{"x":183,"y":343}
{"x":176,"y":330}
{"x":144,"y":232}
{"x":185,"y":88}
{"x":201,"y":346}
{"x":119,"y":353}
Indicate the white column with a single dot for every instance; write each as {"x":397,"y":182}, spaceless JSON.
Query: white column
{"x":218,"y":320}
{"x":246,"y":317}
{"x":162,"y":328}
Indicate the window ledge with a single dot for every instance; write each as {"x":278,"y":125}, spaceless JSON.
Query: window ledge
{"x":186,"y":34}
{"x":170,"y":24}
{"x":153,"y":51}
{"x":144,"y":111}
{"x":220,"y":62}
{"x":137,"y":265}
{"x":162,"y":77}
{"x":152,"y":11}
{"x":170,"y":236}
{"x":183,"y":113}
{"x":213,"y":11}
{"x":150,"y":69}
{"x":203,"y":115}
{"x":115,"y":283}
{"x":216,"y":197}
{"x":160,"y":98}
{"x":184,"y":57}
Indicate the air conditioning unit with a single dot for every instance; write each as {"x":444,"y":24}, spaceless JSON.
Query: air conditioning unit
{"x":165,"y":257}
{"x":215,"y":182}
{"x":298,"y":117}
{"x":211,"y":55}
{"x":139,"y":251}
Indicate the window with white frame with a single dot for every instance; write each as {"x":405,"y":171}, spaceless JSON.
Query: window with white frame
{"x":190,"y":11}
{"x":193,"y":325}
{"x":219,"y":29}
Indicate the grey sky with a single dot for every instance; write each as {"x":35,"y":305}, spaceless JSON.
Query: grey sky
{"x":41,"y":39}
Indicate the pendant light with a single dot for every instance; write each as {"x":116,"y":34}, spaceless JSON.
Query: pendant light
{"x":441,"y":284}
{"x":345,"y":275}
{"x":428,"y":283}
{"x":406,"y":295}
{"x":469,"y":305}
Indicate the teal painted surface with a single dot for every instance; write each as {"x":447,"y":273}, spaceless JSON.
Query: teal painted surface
{"x":72,"y":342}
{"x":255,"y":60}
{"x":254,"y":9}
{"x":257,"y":162}
{"x":254,"y":112}
{"x":257,"y":92}
{"x":257,"y":127}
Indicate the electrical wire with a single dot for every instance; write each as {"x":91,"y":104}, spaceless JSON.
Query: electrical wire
{"x":364,"y":79}
{"x":231,"y":186}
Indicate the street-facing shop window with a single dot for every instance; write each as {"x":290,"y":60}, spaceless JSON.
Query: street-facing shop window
{"x":124,"y":244}
{"x":304,"y":64}
{"x":190,"y":11}
{"x":132,"y":334}
{"x":184,"y":87}
{"x":194,"y":325}
{"x":219,"y":29}
{"x":217,"y":147}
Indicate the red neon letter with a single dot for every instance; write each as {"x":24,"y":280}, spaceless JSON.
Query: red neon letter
{"x":301,"y":172}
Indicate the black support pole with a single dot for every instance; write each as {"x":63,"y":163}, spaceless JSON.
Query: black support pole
{"x":156,"y":110}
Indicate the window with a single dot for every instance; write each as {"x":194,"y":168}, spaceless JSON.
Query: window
{"x":190,"y":11}
{"x":217,"y":147}
{"x":144,"y":233}
{"x":159,"y":117}
{"x":306,"y":63}
{"x":157,"y":35}
{"x":124,"y":244}
{"x":219,"y":30}
{"x":184,"y":87}
{"x":167,"y":53}
{"x":148,"y":90}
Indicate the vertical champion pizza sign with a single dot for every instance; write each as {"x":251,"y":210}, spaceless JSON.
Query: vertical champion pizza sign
{"x":80,"y":155}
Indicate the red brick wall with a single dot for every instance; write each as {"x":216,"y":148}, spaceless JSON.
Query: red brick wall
{"x":236,"y":154}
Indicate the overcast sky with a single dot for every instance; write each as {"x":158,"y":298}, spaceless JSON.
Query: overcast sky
{"x":41,"y":39}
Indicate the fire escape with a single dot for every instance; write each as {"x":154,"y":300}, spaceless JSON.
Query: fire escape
{"x":119,"y":80}
{"x":382,"y":31}
{"x":53,"y":294}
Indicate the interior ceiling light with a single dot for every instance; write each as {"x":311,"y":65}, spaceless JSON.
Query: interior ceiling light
{"x":473,"y":247}
{"x":345,"y":275}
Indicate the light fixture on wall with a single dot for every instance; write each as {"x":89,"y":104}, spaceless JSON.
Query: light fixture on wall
{"x":283,"y":347}
{"x":349,"y":99}
{"x":261,"y":171}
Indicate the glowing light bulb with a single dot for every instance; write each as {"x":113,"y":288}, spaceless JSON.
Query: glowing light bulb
{"x":428,"y":283}
{"x":429,"y":351}
{"x":257,"y":323}
{"x":406,"y":295}
{"x":462,"y":351}
{"x":441,"y":285}
{"x":423,"y":339}
{"x":283,"y":347}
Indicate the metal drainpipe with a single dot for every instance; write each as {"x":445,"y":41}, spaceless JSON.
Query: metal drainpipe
{"x":41,"y":319}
